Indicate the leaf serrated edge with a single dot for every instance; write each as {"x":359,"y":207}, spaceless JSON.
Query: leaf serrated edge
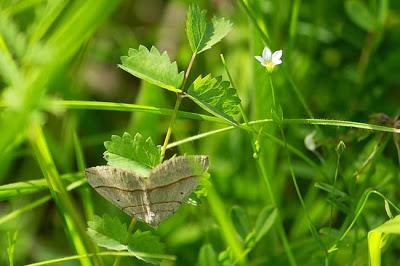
{"x":153,"y":51}
{"x":206,"y":106}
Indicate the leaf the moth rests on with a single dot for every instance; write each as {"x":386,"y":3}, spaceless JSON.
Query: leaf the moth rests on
{"x":108,"y":232}
{"x":215,"y":96}
{"x":132,"y":153}
{"x":153,"y":67}
{"x":203,"y":34}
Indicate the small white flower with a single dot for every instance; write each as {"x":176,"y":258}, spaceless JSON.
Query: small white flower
{"x":269,"y":59}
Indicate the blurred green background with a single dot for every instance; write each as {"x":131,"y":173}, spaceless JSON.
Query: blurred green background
{"x":343,"y":59}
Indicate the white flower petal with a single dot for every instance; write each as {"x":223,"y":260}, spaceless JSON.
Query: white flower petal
{"x":277,"y":62}
{"x":266,"y":54}
{"x":259,"y":59}
{"x":277,"y":55}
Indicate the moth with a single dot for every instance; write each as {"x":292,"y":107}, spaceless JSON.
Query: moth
{"x":154,"y":198}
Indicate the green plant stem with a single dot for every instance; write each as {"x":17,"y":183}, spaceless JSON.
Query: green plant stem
{"x":293,"y":21}
{"x":334,"y":182}
{"x":85,"y":192}
{"x":178,"y":102}
{"x":171,"y":124}
{"x":126,"y":107}
{"x":272,"y":91}
{"x":106,"y":253}
{"x":111,"y":106}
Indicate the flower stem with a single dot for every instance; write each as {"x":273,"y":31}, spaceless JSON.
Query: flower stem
{"x":313,"y":229}
{"x":176,"y":108}
{"x":252,"y":133}
{"x":272,"y":91}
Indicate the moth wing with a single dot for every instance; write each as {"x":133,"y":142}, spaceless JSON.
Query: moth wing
{"x":172,"y":181}
{"x":124,"y":189}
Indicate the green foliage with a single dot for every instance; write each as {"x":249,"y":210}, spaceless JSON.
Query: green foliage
{"x":203,"y":34}
{"x":215,"y":96}
{"x":207,"y":256}
{"x":108,"y":232}
{"x":264,"y":222}
{"x":12,"y":240}
{"x":360,"y":15}
{"x":132,"y":153}
{"x":145,"y":242}
{"x":153,"y":67}
{"x":241,"y":221}
{"x":277,"y":114}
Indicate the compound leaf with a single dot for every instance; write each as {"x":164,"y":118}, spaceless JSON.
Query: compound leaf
{"x":153,"y":67}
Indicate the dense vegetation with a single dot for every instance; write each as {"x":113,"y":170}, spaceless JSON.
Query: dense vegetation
{"x":304,"y":155}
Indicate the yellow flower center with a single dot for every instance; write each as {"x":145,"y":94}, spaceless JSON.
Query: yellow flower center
{"x":269,"y":66}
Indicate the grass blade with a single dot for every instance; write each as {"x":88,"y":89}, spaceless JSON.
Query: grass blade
{"x":66,"y":208}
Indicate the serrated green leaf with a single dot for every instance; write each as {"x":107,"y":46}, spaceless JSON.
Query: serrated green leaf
{"x":145,"y":242}
{"x":241,"y":221}
{"x":215,"y":96}
{"x":203,"y":34}
{"x":207,"y":256}
{"x":153,"y":67}
{"x":133,"y":154}
{"x":108,"y":232}
{"x":264,"y":222}
{"x":360,"y":15}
